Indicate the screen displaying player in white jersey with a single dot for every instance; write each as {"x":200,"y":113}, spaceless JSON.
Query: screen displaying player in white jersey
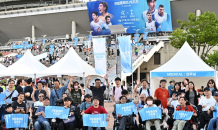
{"x":151,"y":4}
{"x":151,"y":25}
{"x":96,"y":23}
{"x":161,"y":16}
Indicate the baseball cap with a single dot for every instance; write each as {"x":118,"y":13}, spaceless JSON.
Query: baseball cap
{"x":207,"y":88}
{"x":215,"y":93}
{"x":88,"y":95}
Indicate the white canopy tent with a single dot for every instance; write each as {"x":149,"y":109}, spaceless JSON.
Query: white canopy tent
{"x":71,"y":64}
{"x":185,"y":64}
{"x":2,"y":67}
{"x":26,"y":66}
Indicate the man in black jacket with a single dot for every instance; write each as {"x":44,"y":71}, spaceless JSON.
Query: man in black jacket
{"x":28,"y":91}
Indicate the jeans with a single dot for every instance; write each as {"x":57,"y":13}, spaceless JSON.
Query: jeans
{"x":62,"y":126}
{"x":178,"y":124}
{"x":122,"y":122}
{"x":155,"y":122}
{"x":212,"y":122}
{"x":44,"y":124}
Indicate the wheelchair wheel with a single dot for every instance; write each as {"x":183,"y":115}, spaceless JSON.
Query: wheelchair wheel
{"x":205,"y":127}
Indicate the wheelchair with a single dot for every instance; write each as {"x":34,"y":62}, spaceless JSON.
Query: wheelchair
{"x":130,"y":124}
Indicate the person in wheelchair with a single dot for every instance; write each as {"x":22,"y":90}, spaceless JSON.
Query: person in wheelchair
{"x":64,"y":124}
{"x":212,"y":108}
{"x":41,"y":121}
{"x":8,"y":110}
{"x":40,"y":101}
{"x":140,"y":106}
{"x":87,"y":103}
{"x":60,"y":102}
{"x":96,"y":109}
{"x":179,"y":124}
{"x":150,"y":103}
{"x":206,"y":102}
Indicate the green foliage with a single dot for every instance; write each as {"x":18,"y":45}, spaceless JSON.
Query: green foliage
{"x":199,"y":31}
{"x":212,"y":59}
{"x":1,"y":54}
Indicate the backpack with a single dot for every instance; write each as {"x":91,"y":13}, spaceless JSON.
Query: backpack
{"x":114,"y":89}
{"x":147,"y":91}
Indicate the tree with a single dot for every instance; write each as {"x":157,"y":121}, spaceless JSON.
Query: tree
{"x":212,"y":59}
{"x":201,"y":32}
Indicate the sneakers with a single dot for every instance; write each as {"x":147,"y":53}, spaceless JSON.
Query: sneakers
{"x":165,"y":124}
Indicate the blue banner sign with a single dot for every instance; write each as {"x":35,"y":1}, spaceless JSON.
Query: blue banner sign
{"x":215,"y":113}
{"x":184,"y":74}
{"x":95,"y":120}
{"x":126,"y":53}
{"x":182,"y":115}
{"x":2,"y":97}
{"x":89,"y":37}
{"x":18,"y":56}
{"x":75,"y":41}
{"x":51,"y":48}
{"x":43,"y":42}
{"x":22,"y":46}
{"x":132,"y":14}
{"x":150,"y":113}
{"x":145,"y":35}
{"x":16,"y":120}
{"x":126,"y":109}
{"x":136,"y":37}
{"x":56,"y":112}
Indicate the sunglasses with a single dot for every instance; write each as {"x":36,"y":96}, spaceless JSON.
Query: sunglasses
{"x":41,"y":96}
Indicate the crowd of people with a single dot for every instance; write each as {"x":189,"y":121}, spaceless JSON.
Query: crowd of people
{"x":27,"y":96}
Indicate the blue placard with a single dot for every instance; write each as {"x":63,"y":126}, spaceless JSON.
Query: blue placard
{"x":126,"y":109}
{"x":184,"y":74}
{"x":56,"y":112}
{"x":95,"y":120}
{"x":75,"y":41}
{"x":132,"y":14}
{"x":2,"y":97}
{"x":126,"y":53}
{"x":150,"y":113}
{"x":215,"y":113}
{"x":51,"y":49}
{"x":16,"y":120}
{"x":183,"y":115}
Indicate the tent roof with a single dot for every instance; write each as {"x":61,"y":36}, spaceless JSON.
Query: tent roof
{"x":70,"y":64}
{"x":2,"y":67}
{"x":26,"y":66}
{"x":185,"y":60}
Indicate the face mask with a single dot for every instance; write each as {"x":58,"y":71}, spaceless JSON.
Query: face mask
{"x":149,"y":102}
{"x":75,"y":87}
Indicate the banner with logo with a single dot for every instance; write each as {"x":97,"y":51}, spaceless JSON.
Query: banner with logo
{"x":100,"y":55}
{"x":150,"y":113}
{"x":2,"y":97}
{"x":43,"y":42}
{"x":215,"y":113}
{"x":16,"y":120}
{"x":89,"y":37}
{"x":182,"y":115}
{"x":126,"y":109}
{"x":51,"y":49}
{"x":95,"y":120}
{"x":25,"y":44}
{"x":132,"y":14}
{"x":126,"y":53}
{"x":18,"y":46}
{"x":145,"y":35}
{"x":136,"y":37}
{"x":56,"y":112}
{"x":75,"y":41}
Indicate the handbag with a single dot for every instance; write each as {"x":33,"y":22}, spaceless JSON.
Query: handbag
{"x":71,"y":119}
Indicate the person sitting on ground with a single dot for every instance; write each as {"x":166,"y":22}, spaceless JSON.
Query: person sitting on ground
{"x":40,"y":101}
{"x":42,"y":121}
{"x":150,"y":103}
{"x":96,"y":109}
{"x":179,"y":124}
{"x":87,"y":103}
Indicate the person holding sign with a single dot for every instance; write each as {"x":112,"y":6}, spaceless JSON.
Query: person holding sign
{"x":179,"y":124}
{"x":41,"y":120}
{"x":206,"y":103}
{"x":68,"y":124}
{"x":213,"y":108}
{"x":96,"y":109}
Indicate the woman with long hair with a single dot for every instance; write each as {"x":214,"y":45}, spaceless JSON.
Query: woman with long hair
{"x":177,"y":88}
{"x":191,"y":94}
{"x":212,"y":85}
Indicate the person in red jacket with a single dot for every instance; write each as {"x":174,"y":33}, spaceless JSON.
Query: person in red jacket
{"x":179,"y":124}
{"x":96,"y":109}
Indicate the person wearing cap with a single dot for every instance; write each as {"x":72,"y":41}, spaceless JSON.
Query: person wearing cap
{"x":98,"y":90}
{"x":206,"y":103}
{"x":170,"y":87}
{"x":213,"y":108}
{"x":116,"y":90}
{"x":96,"y":109}
{"x":42,"y":121}
{"x":87,"y":103}
{"x":162,"y":93}
{"x":68,"y":126}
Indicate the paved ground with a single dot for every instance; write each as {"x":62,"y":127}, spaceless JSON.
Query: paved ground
{"x":109,"y":107}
